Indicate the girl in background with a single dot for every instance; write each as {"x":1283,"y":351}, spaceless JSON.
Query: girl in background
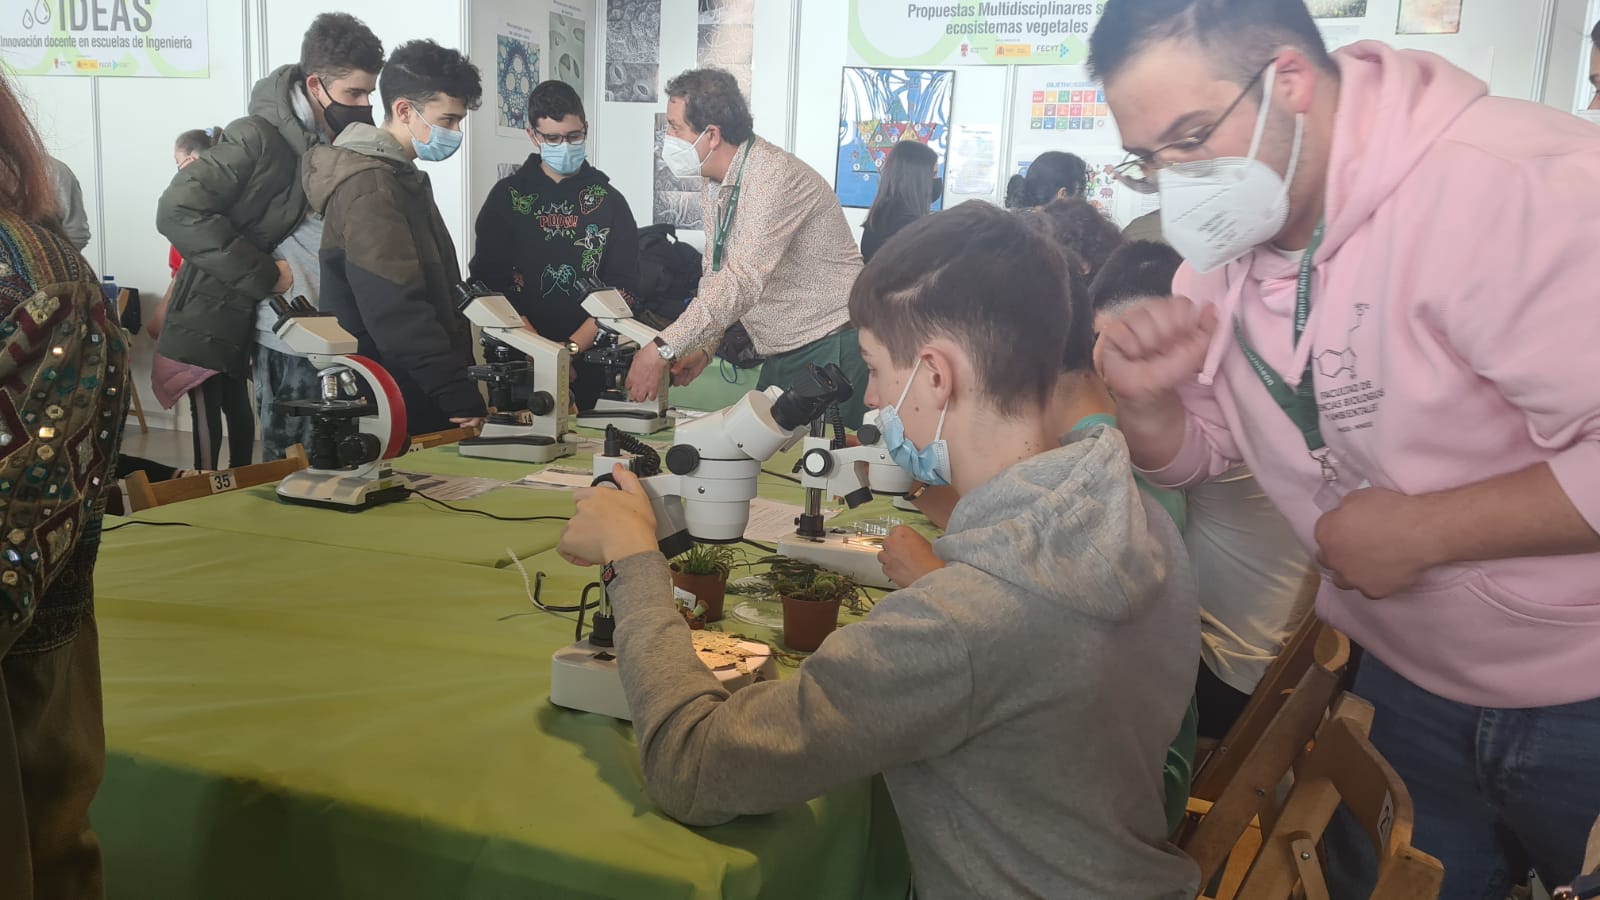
{"x":1052,"y":175}
{"x":907,"y":188}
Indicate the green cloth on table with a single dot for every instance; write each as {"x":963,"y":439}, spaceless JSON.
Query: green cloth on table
{"x":421,"y":528}
{"x":291,"y":719}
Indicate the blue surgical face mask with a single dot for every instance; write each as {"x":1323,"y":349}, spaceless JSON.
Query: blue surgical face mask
{"x":442,"y":143}
{"x":563,"y":159}
{"x":931,"y":464}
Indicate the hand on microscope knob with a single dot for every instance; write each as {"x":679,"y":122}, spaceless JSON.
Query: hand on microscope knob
{"x":907,"y":556}
{"x":610,"y":523}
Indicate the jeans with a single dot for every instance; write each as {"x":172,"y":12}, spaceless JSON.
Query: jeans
{"x":52,"y":755}
{"x":282,"y":376}
{"x":1488,"y":786}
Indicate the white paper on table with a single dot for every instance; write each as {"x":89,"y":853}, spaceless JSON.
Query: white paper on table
{"x":449,"y":487}
{"x":559,"y":478}
{"x":771,"y":520}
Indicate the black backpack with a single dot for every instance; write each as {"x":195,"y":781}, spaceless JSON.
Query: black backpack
{"x":669,"y":272}
{"x":669,"y":277}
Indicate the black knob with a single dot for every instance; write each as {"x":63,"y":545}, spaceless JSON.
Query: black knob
{"x":682,"y":459}
{"x":869,"y":435}
{"x":358,"y":449}
{"x":541,"y":403}
{"x":817,"y":463}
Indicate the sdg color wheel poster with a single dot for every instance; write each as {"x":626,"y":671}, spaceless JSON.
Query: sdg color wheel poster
{"x":879,"y":108}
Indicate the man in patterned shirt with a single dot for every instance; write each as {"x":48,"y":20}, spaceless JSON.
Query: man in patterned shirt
{"x":779,"y":255}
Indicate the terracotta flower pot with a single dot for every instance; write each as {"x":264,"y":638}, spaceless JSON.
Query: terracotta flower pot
{"x":807,"y":623}
{"x":707,"y":589}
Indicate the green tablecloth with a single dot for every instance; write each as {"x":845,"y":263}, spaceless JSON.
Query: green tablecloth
{"x":303,"y":703}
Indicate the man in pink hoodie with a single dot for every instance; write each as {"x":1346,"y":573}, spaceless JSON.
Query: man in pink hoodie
{"x":1389,"y":312}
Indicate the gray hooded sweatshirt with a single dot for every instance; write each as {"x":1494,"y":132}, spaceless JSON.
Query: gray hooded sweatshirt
{"x":1019,"y":702}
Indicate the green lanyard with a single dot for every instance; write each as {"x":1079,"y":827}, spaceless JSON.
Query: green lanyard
{"x":725,"y":221}
{"x":1300,"y":405}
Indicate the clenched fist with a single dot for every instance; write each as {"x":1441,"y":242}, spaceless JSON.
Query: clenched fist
{"x":1151,"y":350}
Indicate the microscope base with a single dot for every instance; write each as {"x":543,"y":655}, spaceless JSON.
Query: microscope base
{"x":528,"y":448}
{"x":855,"y":555}
{"x":633,"y":418}
{"x":341,"y":491}
{"x":579,"y":681}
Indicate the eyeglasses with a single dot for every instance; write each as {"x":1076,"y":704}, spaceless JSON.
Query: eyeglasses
{"x":571,"y":137}
{"x":1147,"y":164}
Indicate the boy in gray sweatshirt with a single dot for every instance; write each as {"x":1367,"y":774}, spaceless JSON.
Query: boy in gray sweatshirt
{"x":1019,"y":701}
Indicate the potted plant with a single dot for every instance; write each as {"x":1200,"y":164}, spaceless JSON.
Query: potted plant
{"x":811,"y":596}
{"x":703,"y":571}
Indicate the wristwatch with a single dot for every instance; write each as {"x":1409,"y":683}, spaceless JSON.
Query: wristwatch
{"x":667,"y":353}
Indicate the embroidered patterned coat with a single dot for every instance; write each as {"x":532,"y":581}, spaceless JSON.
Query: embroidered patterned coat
{"x":63,"y":396}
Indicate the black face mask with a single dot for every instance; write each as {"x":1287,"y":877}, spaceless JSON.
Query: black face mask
{"x":340,"y":116}
{"x":938,"y":189}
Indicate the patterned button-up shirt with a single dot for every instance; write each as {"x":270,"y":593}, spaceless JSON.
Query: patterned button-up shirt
{"x":788,"y":264}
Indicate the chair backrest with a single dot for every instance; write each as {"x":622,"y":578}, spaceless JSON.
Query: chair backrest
{"x":1262,"y":755}
{"x":441,"y":438}
{"x":144,"y":494}
{"x":1343,"y":769}
{"x":1293,"y":661}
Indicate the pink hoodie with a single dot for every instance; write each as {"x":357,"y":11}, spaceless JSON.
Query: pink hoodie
{"x":1455,"y":333}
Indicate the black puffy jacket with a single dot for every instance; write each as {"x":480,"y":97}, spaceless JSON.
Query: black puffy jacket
{"x":226,"y":212}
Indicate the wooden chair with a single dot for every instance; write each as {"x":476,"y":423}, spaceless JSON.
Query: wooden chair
{"x":1343,"y":769}
{"x":124,"y":297}
{"x":1216,"y":761}
{"x":441,"y":438}
{"x":143,"y":494}
{"x":1232,"y":797}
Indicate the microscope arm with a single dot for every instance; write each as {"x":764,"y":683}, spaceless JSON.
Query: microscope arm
{"x":612,"y":313}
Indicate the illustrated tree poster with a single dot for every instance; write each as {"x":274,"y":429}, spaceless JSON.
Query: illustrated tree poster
{"x":879,"y":108}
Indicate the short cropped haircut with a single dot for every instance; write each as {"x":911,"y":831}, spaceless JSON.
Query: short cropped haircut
{"x":986,"y":280}
{"x":337,"y":44}
{"x":711,"y":97}
{"x":421,"y":71}
{"x":1595,"y":34}
{"x":1138,"y":270}
{"x":554,"y":100}
{"x":1239,"y":37}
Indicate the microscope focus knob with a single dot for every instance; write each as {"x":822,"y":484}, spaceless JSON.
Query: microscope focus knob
{"x":817,"y":463}
{"x":682,"y":459}
{"x":541,"y":403}
{"x":869,"y":435}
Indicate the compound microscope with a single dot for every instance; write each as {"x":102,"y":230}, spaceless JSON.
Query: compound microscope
{"x":621,"y":336}
{"x":528,"y":379}
{"x":357,"y":425}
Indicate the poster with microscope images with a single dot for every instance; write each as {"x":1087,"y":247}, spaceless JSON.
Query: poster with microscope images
{"x":633,"y":51}
{"x":677,"y":200}
{"x":726,"y":38}
{"x":516,"y":70}
{"x":568,"y":36}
